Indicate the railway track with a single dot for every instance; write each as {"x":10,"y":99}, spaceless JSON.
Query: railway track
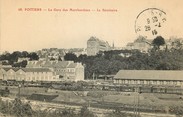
{"x":100,"y":112}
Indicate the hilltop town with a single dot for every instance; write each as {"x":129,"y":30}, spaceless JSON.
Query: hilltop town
{"x":98,"y":77}
{"x":69,"y":64}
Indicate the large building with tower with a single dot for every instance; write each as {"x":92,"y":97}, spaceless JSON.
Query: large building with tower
{"x":95,"y":45}
{"x":140,"y":44}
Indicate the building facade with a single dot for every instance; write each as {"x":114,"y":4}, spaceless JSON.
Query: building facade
{"x":94,"y":45}
{"x":66,"y":70}
{"x":28,"y":74}
{"x":144,"y":45}
{"x":75,"y":72}
{"x":141,"y":44}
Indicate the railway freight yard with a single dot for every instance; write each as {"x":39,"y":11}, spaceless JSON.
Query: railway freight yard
{"x":101,"y":102}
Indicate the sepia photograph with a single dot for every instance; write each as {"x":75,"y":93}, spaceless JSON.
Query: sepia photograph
{"x":91,"y":58}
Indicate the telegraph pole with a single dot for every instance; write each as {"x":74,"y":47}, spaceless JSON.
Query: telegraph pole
{"x":137,"y":102}
{"x":19,"y":86}
{"x":93,"y":76}
{"x":134,"y":106}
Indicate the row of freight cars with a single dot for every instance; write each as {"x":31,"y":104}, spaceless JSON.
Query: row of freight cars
{"x":93,"y":86}
{"x":4,"y":92}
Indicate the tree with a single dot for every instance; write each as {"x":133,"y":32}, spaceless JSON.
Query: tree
{"x":5,"y":107}
{"x":5,"y":56}
{"x":14,"y":57}
{"x":158,"y":41}
{"x":164,"y":66}
{"x":33,"y":56}
{"x":4,"y":63}
{"x":24,"y":63}
{"x":59,"y":58}
{"x":178,"y":110}
{"x":20,"y":64}
{"x":68,"y":112}
{"x":52,"y":59}
{"x":117,"y":113}
{"x":20,"y":109}
{"x":25,"y":54}
{"x":85,"y":112}
{"x":70,"y":57}
{"x":82,"y":58}
{"x":177,"y":43}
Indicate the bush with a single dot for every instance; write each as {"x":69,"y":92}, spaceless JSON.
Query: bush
{"x":85,"y":112}
{"x":16,"y":108}
{"x":117,"y":113}
{"x":178,"y":110}
{"x":5,"y":107}
{"x":20,"y":109}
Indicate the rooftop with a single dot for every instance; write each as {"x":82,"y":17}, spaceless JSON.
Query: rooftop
{"x":36,"y":69}
{"x":72,"y":65}
{"x":150,"y":74}
{"x":28,"y":69}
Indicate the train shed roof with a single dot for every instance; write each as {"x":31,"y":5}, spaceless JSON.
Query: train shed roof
{"x":150,"y":74}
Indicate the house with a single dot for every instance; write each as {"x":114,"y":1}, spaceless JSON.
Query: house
{"x":75,"y":72}
{"x":150,"y":77}
{"x":60,"y":68}
{"x":8,"y":73}
{"x":52,"y":53}
{"x":77,"y":51}
{"x":23,"y":59}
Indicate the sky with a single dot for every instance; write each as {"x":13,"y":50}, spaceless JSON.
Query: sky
{"x":33,"y":30}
